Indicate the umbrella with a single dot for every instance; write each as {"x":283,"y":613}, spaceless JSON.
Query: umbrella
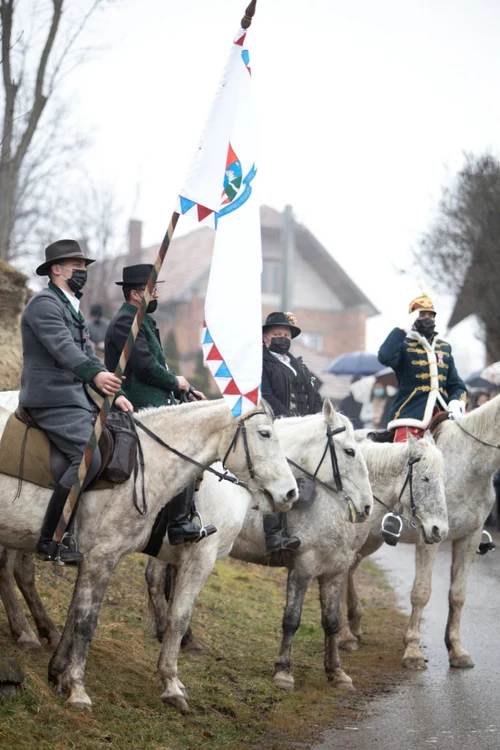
{"x":492,"y":374}
{"x":476,"y":380}
{"x":387,"y":376}
{"x":357,"y":364}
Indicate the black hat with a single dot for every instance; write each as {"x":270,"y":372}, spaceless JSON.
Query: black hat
{"x":136,"y":275}
{"x":282,"y":319}
{"x":61,"y":250}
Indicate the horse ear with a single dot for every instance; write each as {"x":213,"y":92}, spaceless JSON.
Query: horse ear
{"x":329,"y":412}
{"x":429,"y":437}
{"x":267,"y":409}
{"x":412,"y":441}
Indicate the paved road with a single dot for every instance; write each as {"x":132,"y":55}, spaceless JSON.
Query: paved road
{"x":442,"y":708}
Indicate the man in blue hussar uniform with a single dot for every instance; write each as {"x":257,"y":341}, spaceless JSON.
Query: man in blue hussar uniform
{"x":428,"y":381}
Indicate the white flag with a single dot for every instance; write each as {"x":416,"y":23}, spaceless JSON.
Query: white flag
{"x":219,"y":190}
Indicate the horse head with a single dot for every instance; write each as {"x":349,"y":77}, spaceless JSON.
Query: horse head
{"x":253,"y":453}
{"x":424,"y":496}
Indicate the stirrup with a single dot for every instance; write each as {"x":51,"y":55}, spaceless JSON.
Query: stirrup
{"x":391,"y":527}
{"x":488,"y":546}
{"x":205,"y":531}
{"x":68,"y":541}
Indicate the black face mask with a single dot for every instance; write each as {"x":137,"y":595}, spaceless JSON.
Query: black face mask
{"x":425,"y":327}
{"x":153,"y":305}
{"x":280,"y":345}
{"x":77,"y":281}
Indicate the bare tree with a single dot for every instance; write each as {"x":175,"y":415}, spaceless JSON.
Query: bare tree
{"x":461,"y":251}
{"x":36,"y":54}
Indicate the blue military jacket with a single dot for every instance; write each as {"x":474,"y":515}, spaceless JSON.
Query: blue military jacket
{"x":427,"y":377}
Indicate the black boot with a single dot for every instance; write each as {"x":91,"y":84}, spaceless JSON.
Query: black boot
{"x":47,"y":549}
{"x":181,"y":530}
{"x":276,"y":539}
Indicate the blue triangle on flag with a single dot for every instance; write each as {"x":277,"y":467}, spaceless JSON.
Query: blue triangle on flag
{"x":216,"y":220}
{"x":186,"y":204}
{"x":236,"y":410}
{"x":223,"y":371}
{"x":208,"y":339}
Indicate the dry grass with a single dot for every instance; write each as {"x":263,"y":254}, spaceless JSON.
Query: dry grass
{"x":233,"y":701}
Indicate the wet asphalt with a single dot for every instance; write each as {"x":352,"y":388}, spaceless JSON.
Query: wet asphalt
{"x":439,"y":707}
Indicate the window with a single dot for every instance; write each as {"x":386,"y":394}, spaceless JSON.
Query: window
{"x":312,"y":340}
{"x":271,"y":277}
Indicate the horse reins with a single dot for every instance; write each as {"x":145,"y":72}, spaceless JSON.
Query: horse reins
{"x":408,"y":481}
{"x":330,"y":445}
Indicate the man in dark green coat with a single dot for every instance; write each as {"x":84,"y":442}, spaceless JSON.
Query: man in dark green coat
{"x":149,"y":382}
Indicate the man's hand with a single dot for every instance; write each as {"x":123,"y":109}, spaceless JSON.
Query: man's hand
{"x":196,"y":395}
{"x":108,"y":383}
{"x":183,"y":383}
{"x":124,"y":404}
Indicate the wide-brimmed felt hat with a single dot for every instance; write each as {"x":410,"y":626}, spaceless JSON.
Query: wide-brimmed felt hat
{"x":138,"y":274}
{"x":282,"y":319}
{"x":62,"y":250}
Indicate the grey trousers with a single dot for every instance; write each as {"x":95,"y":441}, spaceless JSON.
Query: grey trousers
{"x":69,"y":429}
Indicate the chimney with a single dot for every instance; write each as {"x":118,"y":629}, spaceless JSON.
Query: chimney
{"x":135,"y":239}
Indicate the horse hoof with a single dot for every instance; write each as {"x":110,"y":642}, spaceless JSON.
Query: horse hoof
{"x":194,"y":648}
{"x":53,"y":640}
{"x":176,"y":701}
{"x":340,"y":680}
{"x":79,"y":700}
{"x":414,"y":662}
{"x":29,"y":642}
{"x":284,"y":681}
{"x":461,"y":662}
{"x":351,"y":645}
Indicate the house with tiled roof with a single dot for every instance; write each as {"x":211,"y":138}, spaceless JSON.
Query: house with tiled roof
{"x":331,"y":310}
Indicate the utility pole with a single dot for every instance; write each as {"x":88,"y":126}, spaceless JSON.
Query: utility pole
{"x":288,"y":253}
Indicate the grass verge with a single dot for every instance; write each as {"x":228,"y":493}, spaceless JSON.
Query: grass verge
{"x":233,"y":701}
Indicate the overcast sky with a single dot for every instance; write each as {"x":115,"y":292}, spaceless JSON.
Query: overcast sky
{"x":364,"y":110}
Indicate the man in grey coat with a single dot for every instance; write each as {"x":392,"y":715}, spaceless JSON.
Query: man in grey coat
{"x":59,"y":366}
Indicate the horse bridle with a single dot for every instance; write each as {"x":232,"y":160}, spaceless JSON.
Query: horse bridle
{"x":241,"y":429}
{"x":330,"y":446}
{"x":408,"y":481}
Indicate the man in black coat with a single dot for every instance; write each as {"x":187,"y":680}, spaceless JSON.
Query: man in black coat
{"x":288,"y":386}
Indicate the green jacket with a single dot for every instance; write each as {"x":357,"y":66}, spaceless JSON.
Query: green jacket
{"x":148,"y":381}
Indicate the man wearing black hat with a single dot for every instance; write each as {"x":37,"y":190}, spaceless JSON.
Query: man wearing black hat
{"x":288,"y":386}
{"x":59,"y":362}
{"x":148,"y":381}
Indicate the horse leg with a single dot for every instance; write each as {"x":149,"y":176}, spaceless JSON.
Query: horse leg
{"x":464,"y":551}
{"x":329,"y":594}
{"x":24,"y":573}
{"x":156,"y":575}
{"x":68,"y":663}
{"x":19,"y":625}
{"x":351,"y":612}
{"x":425,"y":555}
{"x":297,"y":585}
{"x":189,"y":580}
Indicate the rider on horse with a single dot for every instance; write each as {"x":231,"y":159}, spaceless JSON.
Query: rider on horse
{"x":428,"y":381}
{"x":59,"y":365}
{"x":149,"y":382}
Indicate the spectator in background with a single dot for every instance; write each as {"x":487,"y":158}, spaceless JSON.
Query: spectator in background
{"x":480,"y":398}
{"x":374,"y":414}
{"x":351,"y":407}
{"x":97,"y":328}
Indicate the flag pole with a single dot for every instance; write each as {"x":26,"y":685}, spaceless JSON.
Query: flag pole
{"x":76,"y":490}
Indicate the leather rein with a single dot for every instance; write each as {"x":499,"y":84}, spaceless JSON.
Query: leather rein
{"x":408,"y":481}
{"x":330,"y":446}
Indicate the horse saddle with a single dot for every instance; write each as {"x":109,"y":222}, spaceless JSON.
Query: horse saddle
{"x":27,"y":453}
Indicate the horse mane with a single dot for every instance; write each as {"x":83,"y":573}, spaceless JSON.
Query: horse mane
{"x":192,"y":405}
{"x":382,"y":456}
{"x":483,"y":420}
{"x":313,"y":417}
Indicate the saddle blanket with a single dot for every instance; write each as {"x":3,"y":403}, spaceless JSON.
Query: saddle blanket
{"x":25,"y":453}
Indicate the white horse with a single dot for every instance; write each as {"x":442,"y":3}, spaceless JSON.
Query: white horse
{"x":329,"y":541}
{"x":471,"y":453}
{"x":110,"y":527}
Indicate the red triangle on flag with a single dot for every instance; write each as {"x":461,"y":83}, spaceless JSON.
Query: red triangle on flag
{"x":240,"y":41}
{"x":213,"y":354}
{"x":232,"y":389}
{"x":253,"y":396}
{"x":231,"y":156}
{"x":203,"y":212}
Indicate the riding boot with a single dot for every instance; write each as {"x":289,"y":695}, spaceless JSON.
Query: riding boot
{"x":47,"y":549}
{"x":276,"y":539}
{"x":181,"y":529}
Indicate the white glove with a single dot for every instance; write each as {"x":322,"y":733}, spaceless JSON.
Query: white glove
{"x":456,"y":409}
